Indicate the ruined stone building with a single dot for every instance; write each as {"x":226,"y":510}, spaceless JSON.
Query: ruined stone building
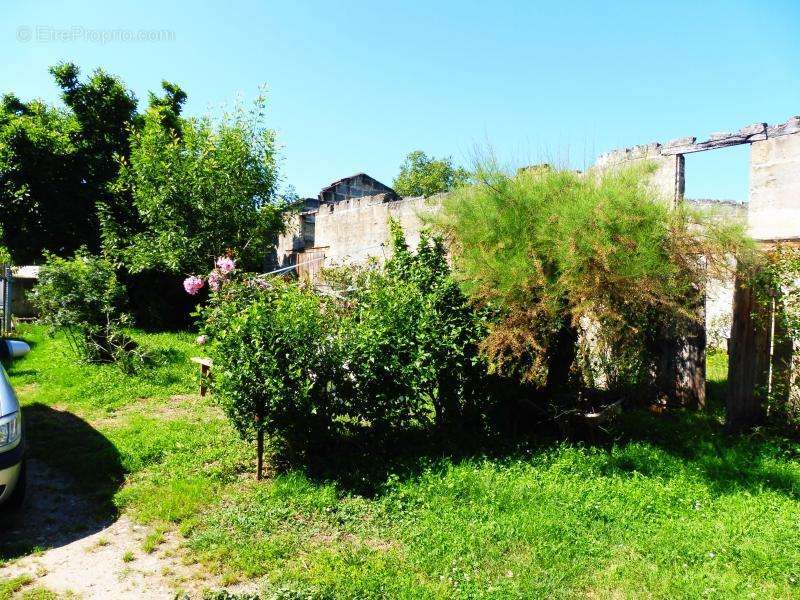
{"x":348,"y":222}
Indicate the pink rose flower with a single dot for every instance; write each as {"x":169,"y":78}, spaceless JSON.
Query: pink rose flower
{"x":201,"y":340}
{"x":225,"y":264}
{"x":215,"y":280}
{"x":192,"y":285}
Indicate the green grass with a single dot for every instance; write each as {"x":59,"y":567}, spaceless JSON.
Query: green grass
{"x":10,"y":586}
{"x":673,"y":508}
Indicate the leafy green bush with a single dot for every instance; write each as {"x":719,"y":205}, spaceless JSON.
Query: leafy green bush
{"x":273,"y":358}
{"x":410,"y":341}
{"x":383,"y":348}
{"x":82,"y":297}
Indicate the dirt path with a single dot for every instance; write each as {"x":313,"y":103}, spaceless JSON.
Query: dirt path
{"x":112,"y":564}
{"x":87,"y":557}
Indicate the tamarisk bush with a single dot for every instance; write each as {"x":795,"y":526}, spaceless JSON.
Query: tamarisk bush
{"x":561,"y":255}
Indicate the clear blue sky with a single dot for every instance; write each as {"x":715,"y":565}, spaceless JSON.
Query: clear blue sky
{"x":354,"y":86}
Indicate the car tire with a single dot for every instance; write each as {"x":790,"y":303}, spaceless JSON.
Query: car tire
{"x":17,"y":497}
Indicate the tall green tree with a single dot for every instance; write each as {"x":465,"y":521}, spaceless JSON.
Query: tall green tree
{"x":421,"y":175}
{"x":58,"y":164}
{"x":45,"y":201}
{"x":5,"y":255}
{"x":199,"y":189}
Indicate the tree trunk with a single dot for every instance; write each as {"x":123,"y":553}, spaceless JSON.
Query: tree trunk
{"x":563,"y":350}
{"x":260,"y":453}
{"x":259,"y":445}
{"x":681,"y":377}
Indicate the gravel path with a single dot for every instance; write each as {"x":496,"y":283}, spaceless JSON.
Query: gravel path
{"x":86,"y":556}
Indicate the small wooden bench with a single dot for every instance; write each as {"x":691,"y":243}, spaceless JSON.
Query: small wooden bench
{"x":205,"y":372}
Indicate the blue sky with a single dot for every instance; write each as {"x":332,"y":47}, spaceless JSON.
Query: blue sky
{"x":355,"y":86}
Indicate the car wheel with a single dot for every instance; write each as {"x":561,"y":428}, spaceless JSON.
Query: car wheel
{"x":14,"y":501}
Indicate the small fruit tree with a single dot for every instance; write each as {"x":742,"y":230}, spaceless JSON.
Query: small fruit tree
{"x":270,"y":344}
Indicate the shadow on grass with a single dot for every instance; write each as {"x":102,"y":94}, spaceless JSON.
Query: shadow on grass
{"x":668,"y":445}
{"x":761,"y":460}
{"x":73,"y":474}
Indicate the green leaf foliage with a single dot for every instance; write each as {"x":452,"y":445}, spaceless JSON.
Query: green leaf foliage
{"x":82,"y":297}
{"x":45,"y":206}
{"x":198,"y":192}
{"x":421,"y":175}
{"x":272,"y":359}
{"x":382,"y":349}
{"x":410,"y":340}
{"x":776,"y":283}
{"x":5,"y":255}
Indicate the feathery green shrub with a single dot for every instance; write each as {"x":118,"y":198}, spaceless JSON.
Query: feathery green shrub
{"x":565,"y":256}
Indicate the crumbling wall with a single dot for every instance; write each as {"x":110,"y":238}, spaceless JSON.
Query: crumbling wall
{"x":681,"y":375}
{"x":774,"y":212}
{"x":719,"y":292}
{"x":291,"y":241}
{"x":668,"y":178}
{"x":353,"y":230}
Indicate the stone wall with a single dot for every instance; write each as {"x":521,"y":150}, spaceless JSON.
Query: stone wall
{"x":774,"y":211}
{"x":346,"y":229}
{"x":668,"y":178}
{"x":356,"y":229}
{"x":719,"y":293}
{"x":299,"y":234}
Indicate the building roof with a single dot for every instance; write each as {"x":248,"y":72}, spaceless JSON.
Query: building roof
{"x":380,"y":187}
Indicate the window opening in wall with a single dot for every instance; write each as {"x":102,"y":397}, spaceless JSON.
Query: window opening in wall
{"x":715,"y":175}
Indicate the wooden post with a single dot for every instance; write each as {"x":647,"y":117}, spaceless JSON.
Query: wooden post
{"x":204,"y":368}
{"x":205,"y":372}
{"x":259,"y":448}
{"x":260,"y":451}
{"x":748,"y":359}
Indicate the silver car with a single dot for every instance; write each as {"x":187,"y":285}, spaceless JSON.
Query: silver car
{"x":12,"y":435}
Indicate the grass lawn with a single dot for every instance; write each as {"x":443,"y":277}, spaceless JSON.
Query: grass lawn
{"x":672,"y":509}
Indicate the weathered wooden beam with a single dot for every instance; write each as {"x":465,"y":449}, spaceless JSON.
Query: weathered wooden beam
{"x":686,"y":145}
{"x":791,"y":126}
{"x":746,"y":135}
